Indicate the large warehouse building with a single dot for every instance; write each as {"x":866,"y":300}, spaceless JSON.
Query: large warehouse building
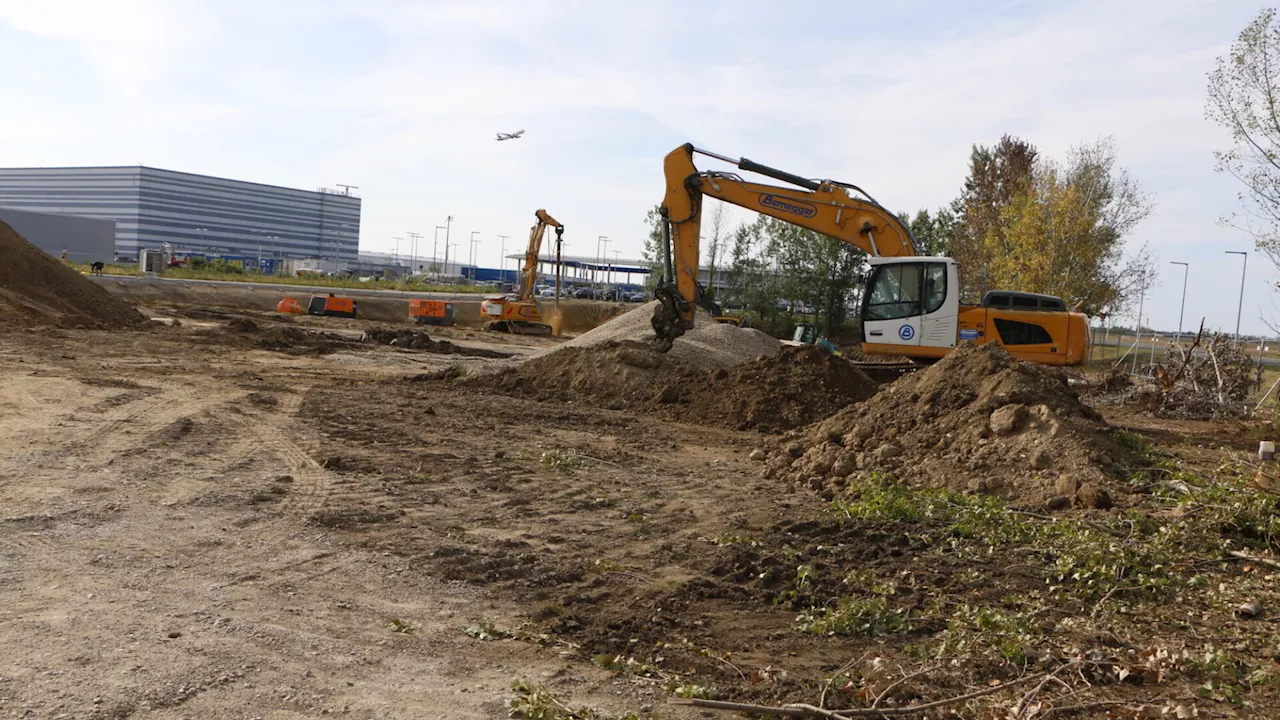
{"x":193,"y":213}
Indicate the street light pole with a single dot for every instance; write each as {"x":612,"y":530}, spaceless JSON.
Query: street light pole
{"x":600,"y":242}
{"x":617,"y":256}
{"x":1186,"y":269}
{"x":448,"y":225}
{"x":502,"y":259}
{"x":397,"y":255}
{"x":435,"y":247}
{"x":1240,"y":307}
{"x":474,"y":233}
{"x":413,"y":237}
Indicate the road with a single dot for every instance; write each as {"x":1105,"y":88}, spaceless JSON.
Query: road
{"x":289,"y":288}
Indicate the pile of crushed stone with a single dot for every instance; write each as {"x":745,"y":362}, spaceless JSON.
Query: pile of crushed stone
{"x":36,"y":289}
{"x":419,"y":340}
{"x":978,"y":421}
{"x":708,"y":346}
{"x":792,"y":388}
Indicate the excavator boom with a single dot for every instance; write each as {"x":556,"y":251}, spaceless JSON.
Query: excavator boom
{"x":824,"y":206}
{"x":529,"y":275}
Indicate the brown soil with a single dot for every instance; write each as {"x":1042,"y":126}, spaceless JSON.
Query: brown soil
{"x":194,"y":529}
{"x":795,"y":387}
{"x":798,"y":386}
{"x":36,"y":289}
{"x":976,"y":421}
{"x":419,"y":340}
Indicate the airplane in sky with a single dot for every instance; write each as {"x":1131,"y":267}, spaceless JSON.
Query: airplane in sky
{"x":510,"y":136}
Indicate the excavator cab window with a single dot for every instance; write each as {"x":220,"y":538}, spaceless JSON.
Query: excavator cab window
{"x":895,"y":291}
{"x":935,"y":287}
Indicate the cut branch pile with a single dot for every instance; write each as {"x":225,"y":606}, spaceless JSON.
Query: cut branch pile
{"x":1211,"y":379}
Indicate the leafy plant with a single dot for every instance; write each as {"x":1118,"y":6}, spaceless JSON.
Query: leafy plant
{"x":872,"y":617}
{"x":535,"y":702}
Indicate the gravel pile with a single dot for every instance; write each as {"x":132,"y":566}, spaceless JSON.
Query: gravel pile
{"x":708,"y":346}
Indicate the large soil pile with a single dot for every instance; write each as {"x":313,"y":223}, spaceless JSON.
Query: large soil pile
{"x":977,"y":421}
{"x":36,"y":289}
{"x":795,"y":387}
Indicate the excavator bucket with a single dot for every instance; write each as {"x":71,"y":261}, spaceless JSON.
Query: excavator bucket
{"x":290,"y":305}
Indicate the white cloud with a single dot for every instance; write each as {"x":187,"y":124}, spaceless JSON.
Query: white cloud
{"x":402,"y":97}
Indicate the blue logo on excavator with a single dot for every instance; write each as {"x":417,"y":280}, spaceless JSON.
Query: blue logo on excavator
{"x":795,"y":207}
{"x":906,"y":332}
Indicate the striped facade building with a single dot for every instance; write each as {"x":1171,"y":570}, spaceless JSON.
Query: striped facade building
{"x":194,"y":213}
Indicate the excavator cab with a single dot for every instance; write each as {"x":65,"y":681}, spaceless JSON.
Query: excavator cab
{"x":911,"y":306}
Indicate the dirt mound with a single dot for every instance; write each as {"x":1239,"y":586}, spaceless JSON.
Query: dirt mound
{"x":616,"y":374}
{"x":36,"y":289}
{"x":798,"y":386}
{"x":709,"y":345}
{"x":772,"y":394}
{"x":977,"y":421}
{"x":418,"y":340}
{"x":296,"y":341}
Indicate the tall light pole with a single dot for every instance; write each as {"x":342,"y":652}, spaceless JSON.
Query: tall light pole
{"x":1240,"y":307}
{"x":397,"y":255}
{"x":435,"y":247}
{"x":472,"y":255}
{"x":413,"y":238}
{"x":455,"y":257}
{"x":502,"y":259}
{"x":448,"y":225}
{"x":1186,"y":269}
{"x":601,"y":242}
{"x":617,"y":255}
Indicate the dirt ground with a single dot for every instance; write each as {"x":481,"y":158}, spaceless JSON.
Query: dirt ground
{"x":193,"y":526}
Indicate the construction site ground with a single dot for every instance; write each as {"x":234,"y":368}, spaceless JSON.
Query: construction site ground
{"x":193,"y":525}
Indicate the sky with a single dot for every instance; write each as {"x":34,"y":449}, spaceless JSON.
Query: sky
{"x":403,"y":99}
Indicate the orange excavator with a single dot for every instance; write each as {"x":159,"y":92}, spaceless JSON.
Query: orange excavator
{"x":519,"y":312}
{"x":911,"y":304}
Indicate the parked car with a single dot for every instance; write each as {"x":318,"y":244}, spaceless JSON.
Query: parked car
{"x":638,"y":297}
{"x":548,"y":291}
{"x":583,"y":293}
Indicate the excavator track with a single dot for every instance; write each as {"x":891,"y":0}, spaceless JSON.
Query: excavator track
{"x":516,"y":327}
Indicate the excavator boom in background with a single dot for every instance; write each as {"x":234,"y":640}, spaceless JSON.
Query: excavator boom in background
{"x":519,"y":313}
{"x":911,"y":304}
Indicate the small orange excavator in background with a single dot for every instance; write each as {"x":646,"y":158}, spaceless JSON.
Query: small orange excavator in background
{"x":519,"y":312}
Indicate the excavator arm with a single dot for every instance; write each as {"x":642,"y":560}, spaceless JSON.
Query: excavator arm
{"x":529,"y":275}
{"x":823,"y":206}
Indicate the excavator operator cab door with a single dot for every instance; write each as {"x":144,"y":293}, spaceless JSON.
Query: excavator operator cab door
{"x":911,"y":302}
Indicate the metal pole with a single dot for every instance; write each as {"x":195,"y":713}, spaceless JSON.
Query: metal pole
{"x":1137,"y":338}
{"x":1240,"y":307}
{"x":448,"y":223}
{"x":1185,"y":271}
{"x":474,"y":233}
{"x":502,"y":261}
{"x":435,"y":247}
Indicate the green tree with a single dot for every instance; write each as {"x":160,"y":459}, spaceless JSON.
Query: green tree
{"x":820,"y":271}
{"x":653,"y":251}
{"x":996,"y":176}
{"x":933,"y":233}
{"x":1244,"y":98}
{"x":1063,"y":232}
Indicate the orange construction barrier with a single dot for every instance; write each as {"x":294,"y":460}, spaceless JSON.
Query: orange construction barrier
{"x":290,"y":305}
